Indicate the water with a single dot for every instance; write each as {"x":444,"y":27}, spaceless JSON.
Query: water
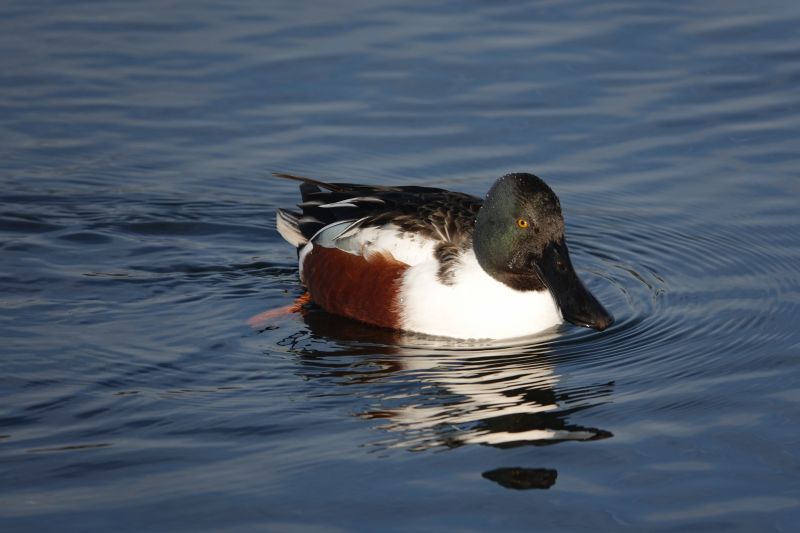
{"x":137,"y":237}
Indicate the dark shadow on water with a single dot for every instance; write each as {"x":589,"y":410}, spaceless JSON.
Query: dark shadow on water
{"x":522,"y":478}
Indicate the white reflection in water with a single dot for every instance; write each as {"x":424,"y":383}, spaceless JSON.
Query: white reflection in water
{"x":440,"y":392}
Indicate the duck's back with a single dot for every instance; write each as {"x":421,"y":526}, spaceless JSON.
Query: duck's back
{"x":425,"y":213}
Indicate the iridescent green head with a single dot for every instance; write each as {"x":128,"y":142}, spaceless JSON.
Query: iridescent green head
{"x":519,"y":241}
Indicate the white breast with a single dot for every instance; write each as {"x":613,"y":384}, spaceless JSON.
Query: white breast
{"x":476,"y":306}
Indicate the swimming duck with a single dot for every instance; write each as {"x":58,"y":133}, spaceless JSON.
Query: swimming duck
{"x":438,"y":262}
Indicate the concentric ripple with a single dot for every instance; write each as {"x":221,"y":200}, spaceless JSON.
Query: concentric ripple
{"x":674,"y":289}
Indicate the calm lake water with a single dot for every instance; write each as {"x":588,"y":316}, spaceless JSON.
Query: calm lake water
{"x":137,"y":236}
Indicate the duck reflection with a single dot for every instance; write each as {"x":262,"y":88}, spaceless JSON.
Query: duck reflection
{"x":432,"y":392}
{"x":522,"y":478}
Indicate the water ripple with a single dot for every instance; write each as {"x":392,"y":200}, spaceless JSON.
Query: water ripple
{"x":661,"y":280}
{"x":137,"y":235}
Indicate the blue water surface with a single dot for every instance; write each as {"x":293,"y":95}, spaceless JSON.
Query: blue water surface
{"x":137,"y":237}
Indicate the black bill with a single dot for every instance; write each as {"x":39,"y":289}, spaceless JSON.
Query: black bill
{"x":577,"y":304}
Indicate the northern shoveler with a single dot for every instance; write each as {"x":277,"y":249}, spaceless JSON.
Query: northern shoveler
{"x":439,"y":262}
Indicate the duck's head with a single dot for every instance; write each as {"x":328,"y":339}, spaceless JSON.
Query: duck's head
{"x":519,"y":241}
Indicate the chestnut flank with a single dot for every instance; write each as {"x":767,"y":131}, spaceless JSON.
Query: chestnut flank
{"x":363,"y":288}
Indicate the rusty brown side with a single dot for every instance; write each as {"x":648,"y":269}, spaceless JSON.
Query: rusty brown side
{"x":365,"y":289}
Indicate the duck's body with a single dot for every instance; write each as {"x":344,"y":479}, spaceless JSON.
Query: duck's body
{"x":406,"y":258}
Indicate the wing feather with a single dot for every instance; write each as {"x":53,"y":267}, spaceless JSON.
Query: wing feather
{"x":435,"y":214}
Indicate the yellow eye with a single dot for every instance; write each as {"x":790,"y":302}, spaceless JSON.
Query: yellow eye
{"x":522,"y":223}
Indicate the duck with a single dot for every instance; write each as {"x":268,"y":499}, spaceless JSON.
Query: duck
{"x":437,"y":262}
